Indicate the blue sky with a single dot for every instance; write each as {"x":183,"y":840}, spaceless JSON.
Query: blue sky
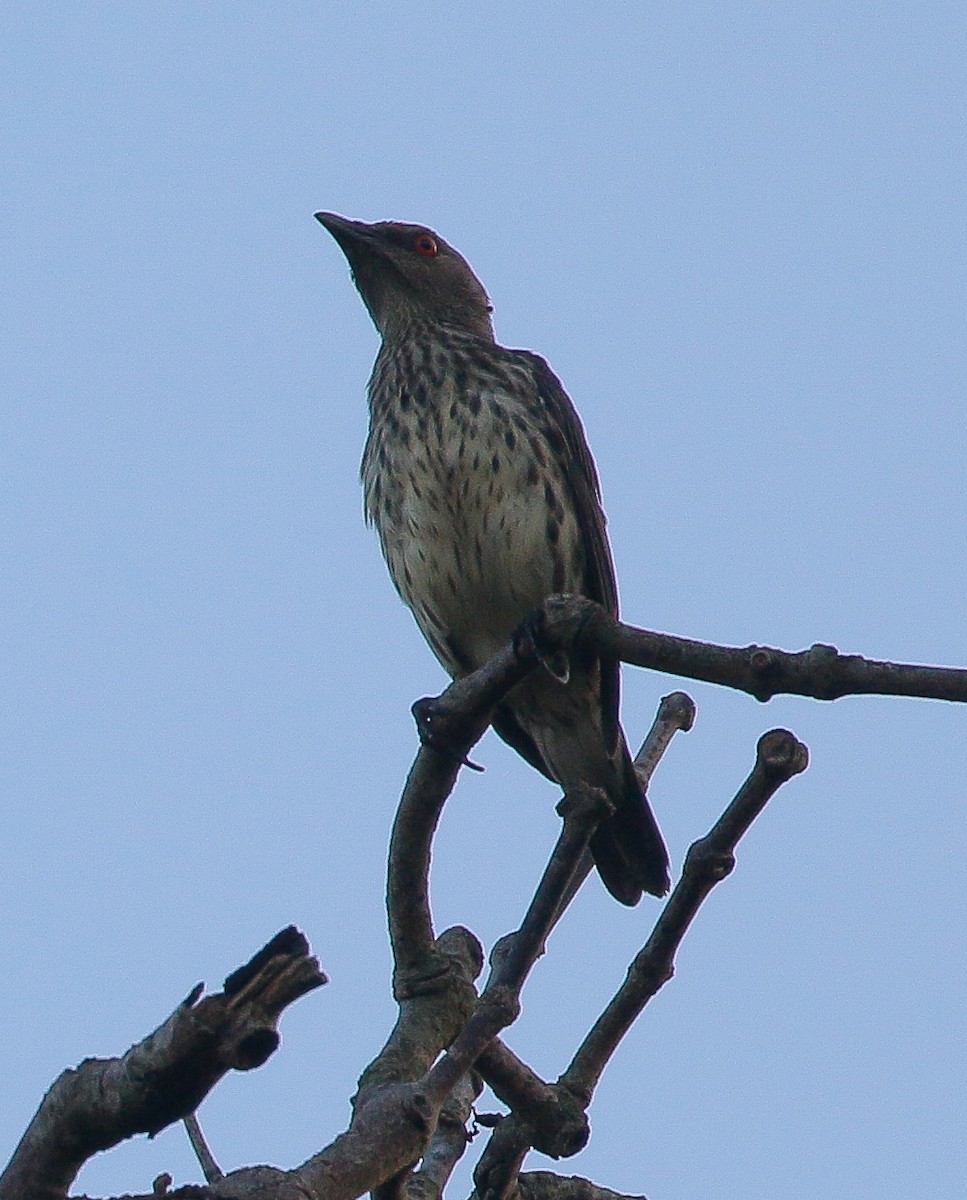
{"x":737,"y":233}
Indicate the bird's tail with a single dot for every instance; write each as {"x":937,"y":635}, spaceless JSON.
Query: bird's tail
{"x":628,"y":848}
{"x":558,"y":730}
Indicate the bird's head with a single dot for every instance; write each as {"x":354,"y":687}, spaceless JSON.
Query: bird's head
{"x":407,"y":272}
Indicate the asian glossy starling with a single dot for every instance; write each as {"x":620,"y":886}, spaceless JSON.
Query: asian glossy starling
{"x":481,"y":486}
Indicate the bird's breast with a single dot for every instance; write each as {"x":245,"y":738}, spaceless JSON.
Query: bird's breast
{"x":472,"y":511}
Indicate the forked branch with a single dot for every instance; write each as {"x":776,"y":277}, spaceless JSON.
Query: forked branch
{"x":413,"y":1098}
{"x":779,"y":757}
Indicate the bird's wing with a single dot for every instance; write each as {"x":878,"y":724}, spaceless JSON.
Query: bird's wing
{"x":507,"y":727}
{"x":582,"y":479}
{"x":564,"y":425}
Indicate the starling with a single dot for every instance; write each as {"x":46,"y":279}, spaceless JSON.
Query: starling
{"x":481,"y":486}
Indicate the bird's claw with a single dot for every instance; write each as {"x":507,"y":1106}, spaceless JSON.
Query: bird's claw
{"x":553,"y":659}
{"x":431,"y":728}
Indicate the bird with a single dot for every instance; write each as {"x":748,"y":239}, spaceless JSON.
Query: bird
{"x":478,"y":478}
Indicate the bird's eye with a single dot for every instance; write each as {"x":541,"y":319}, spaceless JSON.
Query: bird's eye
{"x":425,"y":245}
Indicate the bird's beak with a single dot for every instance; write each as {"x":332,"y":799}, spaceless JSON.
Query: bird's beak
{"x":351,"y":235}
{"x":368,"y":256}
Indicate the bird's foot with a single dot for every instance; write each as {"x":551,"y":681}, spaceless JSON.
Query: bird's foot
{"x":434,"y":726}
{"x":531,"y":633}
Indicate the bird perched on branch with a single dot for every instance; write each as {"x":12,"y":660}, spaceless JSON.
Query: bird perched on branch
{"x":481,"y":486}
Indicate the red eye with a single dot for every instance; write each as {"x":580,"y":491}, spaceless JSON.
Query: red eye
{"x":425,"y":245}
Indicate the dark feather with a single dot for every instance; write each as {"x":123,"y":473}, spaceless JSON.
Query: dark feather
{"x":599,"y":584}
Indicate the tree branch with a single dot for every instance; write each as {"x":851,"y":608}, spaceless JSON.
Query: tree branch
{"x":447,"y":1144}
{"x":391,"y":1097}
{"x":165,"y":1077}
{"x":206,"y":1160}
{"x":676,"y":714}
{"x":556,"y":1122}
{"x":400,"y":1110}
{"x":820,"y":672}
{"x":545,"y":1185}
{"x":449,"y":726}
{"x":779,"y":756}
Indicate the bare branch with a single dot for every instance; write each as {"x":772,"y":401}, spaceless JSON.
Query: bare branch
{"x":413,"y":1100}
{"x":513,"y":959}
{"x":556,"y":1120}
{"x":395,"y":1111}
{"x":433,"y":1008}
{"x":165,"y":1077}
{"x":676,"y":714}
{"x":428,"y":786}
{"x":449,"y":726}
{"x":820,"y":672}
{"x":779,"y":756}
{"x":388,"y":1134}
{"x":582,"y":809}
{"x":206,"y":1160}
{"x":404,"y":1109}
{"x":545,"y":1185}
{"x":499,"y":1005}
{"x":447,"y":1144}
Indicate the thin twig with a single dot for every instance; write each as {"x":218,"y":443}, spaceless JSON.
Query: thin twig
{"x":676,"y":714}
{"x":209,"y":1168}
